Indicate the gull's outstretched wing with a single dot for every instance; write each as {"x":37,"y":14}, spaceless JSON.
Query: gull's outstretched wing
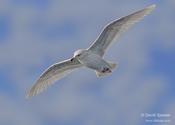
{"x":52,"y":74}
{"x":115,"y":28}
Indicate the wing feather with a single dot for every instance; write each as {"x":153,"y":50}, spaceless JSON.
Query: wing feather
{"x":52,"y":74}
{"x":115,"y":28}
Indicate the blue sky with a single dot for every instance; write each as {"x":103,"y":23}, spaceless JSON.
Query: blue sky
{"x":37,"y":33}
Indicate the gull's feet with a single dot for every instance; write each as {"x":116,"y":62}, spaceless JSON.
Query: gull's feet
{"x":106,"y":70}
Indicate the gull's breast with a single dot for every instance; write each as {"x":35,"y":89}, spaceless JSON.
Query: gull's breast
{"x":93,"y":61}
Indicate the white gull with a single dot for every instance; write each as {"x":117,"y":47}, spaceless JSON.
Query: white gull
{"x":93,"y":56}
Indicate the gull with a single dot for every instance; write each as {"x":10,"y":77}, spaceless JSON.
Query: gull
{"x":91,"y":57}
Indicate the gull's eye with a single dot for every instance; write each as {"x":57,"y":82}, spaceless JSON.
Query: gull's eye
{"x":78,"y":55}
{"x":72,"y":59}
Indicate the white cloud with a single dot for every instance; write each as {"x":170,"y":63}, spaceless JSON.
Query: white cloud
{"x":12,"y":112}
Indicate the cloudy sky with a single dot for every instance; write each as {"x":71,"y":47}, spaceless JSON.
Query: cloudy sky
{"x":37,"y":33}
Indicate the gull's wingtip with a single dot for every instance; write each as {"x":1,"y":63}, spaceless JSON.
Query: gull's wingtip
{"x":151,"y":7}
{"x":28,"y":96}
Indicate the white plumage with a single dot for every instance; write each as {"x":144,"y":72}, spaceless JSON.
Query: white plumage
{"x":93,"y":56}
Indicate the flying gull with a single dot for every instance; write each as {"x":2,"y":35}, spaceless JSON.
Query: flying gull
{"x":91,"y":57}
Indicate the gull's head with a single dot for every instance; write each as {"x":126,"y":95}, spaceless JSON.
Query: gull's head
{"x":80,"y":53}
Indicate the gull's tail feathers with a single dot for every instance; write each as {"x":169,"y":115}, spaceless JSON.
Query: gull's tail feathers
{"x":112,"y":65}
{"x":100,"y":74}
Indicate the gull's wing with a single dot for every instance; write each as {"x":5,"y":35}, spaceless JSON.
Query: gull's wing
{"x":52,"y":74}
{"x":115,"y":28}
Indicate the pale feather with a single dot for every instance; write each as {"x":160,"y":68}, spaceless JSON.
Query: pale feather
{"x":115,"y":28}
{"x":52,"y":74}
